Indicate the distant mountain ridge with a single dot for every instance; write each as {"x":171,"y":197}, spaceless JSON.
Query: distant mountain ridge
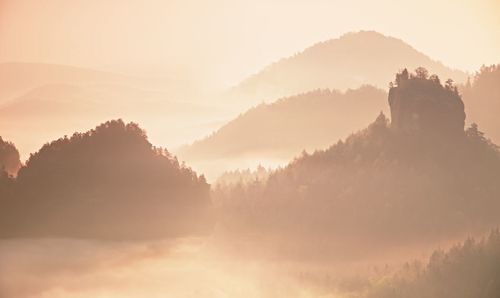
{"x":41,"y":101}
{"x":294,"y":123}
{"x":354,"y":59}
{"x":20,"y":77}
{"x":281,"y":130}
{"x":17,"y":78}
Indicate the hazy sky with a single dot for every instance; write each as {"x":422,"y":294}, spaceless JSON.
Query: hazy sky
{"x":226,"y":40}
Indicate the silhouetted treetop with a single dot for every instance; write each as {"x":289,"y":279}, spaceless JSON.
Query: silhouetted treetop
{"x":9,"y":158}
{"x":488,"y":74}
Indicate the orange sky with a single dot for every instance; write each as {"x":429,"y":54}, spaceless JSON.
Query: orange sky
{"x":223,"y":41}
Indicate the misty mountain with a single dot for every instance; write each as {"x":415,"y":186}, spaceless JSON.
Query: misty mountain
{"x":482,"y":98}
{"x":282,"y":129}
{"x":420,"y":177}
{"x":107,"y":183}
{"x":19,"y":78}
{"x":354,"y":59}
{"x":43,"y":101}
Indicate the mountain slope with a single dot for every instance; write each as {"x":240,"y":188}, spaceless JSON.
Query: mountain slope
{"x":364,"y":57}
{"x":284,"y":128}
{"x":18,"y":78}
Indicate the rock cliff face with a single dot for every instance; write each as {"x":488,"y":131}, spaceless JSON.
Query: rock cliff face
{"x":422,"y":104}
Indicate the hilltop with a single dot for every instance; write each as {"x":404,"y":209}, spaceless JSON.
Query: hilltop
{"x":352,"y":60}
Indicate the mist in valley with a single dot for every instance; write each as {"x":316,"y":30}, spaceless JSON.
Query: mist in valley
{"x":269,"y":149}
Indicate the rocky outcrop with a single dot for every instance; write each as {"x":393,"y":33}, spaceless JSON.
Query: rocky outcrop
{"x":420,"y":103}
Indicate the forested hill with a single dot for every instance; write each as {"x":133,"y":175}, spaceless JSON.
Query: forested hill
{"x":109,"y":182}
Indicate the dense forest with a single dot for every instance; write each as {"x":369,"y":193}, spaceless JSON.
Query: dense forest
{"x":469,"y":269}
{"x":109,"y":182}
{"x":466,"y":269}
{"x":420,"y":177}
